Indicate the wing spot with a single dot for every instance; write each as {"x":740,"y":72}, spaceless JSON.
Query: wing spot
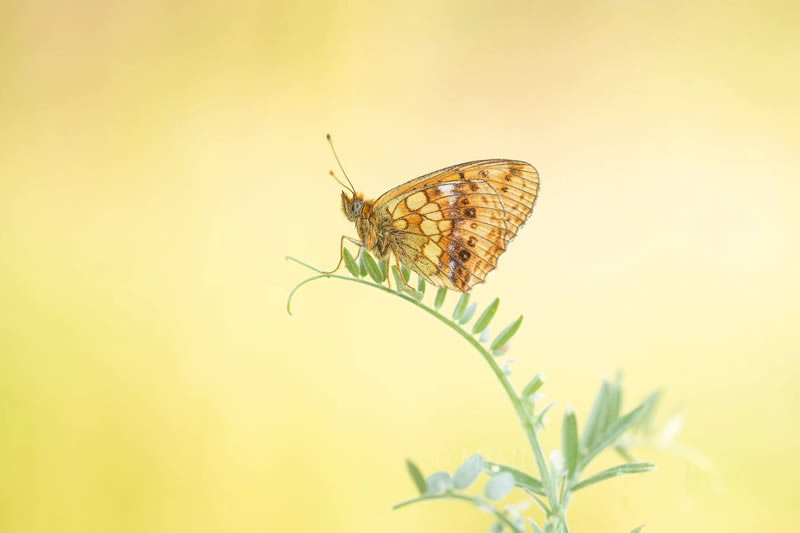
{"x":461,"y":175}
{"x":429,"y":227}
{"x":484,"y":173}
{"x":432,"y":251}
{"x":474,"y":225}
{"x":473,"y":187}
{"x":464,"y":255}
{"x":465,"y":201}
{"x":508,"y":178}
{"x":471,"y":241}
{"x":416,"y":200}
{"x":504,"y":188}
{"x":469,"y":212}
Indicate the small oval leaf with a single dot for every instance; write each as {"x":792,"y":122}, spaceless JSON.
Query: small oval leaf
{"x":506,"y":334}
{"x":438,"y":482}
{"x":397,"y":279}
{"x":499,"y":486}
{"x":569,"y":440}
{"x":373,"y":269}
{"x":406,"y":273}
{"x":383,"y":264}
{"x":468,"y":472}
{"x":421,"y":286}
{"x":629,"y":468}
{"x":534,"y":385}
{"x":440,"y":296}
{"x":486,"y":316}
{"x":362,"y":262}
{"x":351,"y":264}
{"x":461,"y":306}
{"x":468,"y":314}
{"x":416,"y":476}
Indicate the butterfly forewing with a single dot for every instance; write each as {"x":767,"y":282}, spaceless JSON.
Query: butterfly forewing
{"x":452,"y":225}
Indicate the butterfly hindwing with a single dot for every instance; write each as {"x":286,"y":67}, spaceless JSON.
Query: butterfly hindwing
{"x":452,"y":225}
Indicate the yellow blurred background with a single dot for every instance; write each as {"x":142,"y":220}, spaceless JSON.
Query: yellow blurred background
{"x":159,"y":159}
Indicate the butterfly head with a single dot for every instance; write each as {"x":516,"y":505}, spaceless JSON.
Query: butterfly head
{"x":352,"y":205}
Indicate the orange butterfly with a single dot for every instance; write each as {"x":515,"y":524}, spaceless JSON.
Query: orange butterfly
{"x":449,"y":226}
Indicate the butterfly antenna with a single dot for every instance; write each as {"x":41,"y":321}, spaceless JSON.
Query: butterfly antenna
{"x":333,"y":175}
{"x":351,"y":188}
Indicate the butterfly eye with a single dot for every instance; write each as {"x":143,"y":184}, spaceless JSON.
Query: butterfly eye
{"x":355,"y":207}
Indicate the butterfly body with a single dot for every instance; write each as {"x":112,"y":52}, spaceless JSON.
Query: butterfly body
{"x":449,"y":226}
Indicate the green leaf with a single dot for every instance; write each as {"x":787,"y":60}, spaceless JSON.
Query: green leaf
{"x":499,"y":486}
{"x":535,"y":526}
{"x":421,"y":286}
{"x":595,"y":422}
{"x":569,"y":441}
{"x":384,"y":266}
{"x":468,"y":314}
{"x":521,"y":479}
{"x":351,"y":264}
{"x":630,"y":468}
{"x":372,"y":267}
{"x":506,"y":334}
{"x":636,"y":529}
{"x":624,"y":453}
{"x":461,"y":306}
{"x":362,"y":263}
{"x":398,"y":279}
{"x":438,"y":482}
{"x":610,"y":436}
{"x":486,"y":316}
{"x":614,"y":402}
{"x":468,"y":472}
{"x":406,"y":273}
{"x":440,"y":296}
{"x":534,"y":385}
{"x":538,"y":420}
{"x":416,"y":476}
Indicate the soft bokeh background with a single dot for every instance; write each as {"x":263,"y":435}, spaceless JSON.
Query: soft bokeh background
{"x":159,"y":159}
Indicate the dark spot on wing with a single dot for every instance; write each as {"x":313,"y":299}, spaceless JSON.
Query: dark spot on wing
{"x":469,"y":212}
{"x":464,"y":255}
{"x":472,"y":241}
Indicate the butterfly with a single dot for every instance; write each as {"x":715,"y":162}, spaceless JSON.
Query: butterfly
{"x":449,"y":226}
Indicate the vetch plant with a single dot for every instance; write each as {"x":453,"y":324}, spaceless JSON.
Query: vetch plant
{"x":557,"y":481}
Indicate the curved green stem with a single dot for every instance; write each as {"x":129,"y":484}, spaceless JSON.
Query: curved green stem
{"x":463,"y":497}
{"x":522,"y":413}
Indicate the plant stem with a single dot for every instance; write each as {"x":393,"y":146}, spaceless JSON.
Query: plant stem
{"x":524,"y":417}
{"x":472,"y":499}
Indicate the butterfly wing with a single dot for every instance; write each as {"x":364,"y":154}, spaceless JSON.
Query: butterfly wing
{"x":452,"y":225}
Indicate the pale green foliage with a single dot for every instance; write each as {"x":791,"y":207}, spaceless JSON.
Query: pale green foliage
{"x":552,"y":489}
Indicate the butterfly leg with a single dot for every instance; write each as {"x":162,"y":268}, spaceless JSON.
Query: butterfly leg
{"x":341,"y":251}
{"x":399,"y":269}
